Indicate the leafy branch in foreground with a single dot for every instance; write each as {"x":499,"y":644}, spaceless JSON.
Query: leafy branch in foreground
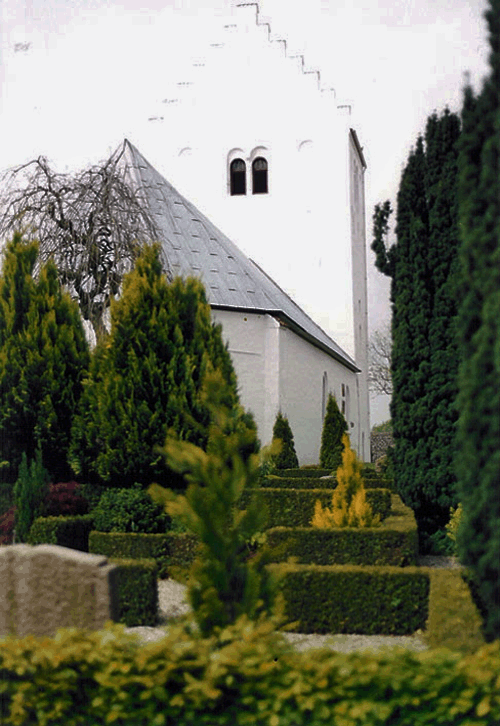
{"x":227,"y":580}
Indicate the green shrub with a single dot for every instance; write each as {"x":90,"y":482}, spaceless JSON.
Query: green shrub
{"x":29,"y":492}
{"x":349,"y":505}
{"x":171,"y":550}
{"x":135,"y":583}
{"x":129,"y":510}
{"x":304,"y":473}
{"x":293,"y":482}
{"x":295,"y":507}
{"x":245,"y":676}
{"x":355,"y":599}
{"x":287,"y":456}
{"x":454,"y":621}
{"x":70,"y":532}
{"x":226,"y":582}
{"x":334,"y":427}
{"x":147,"y":378}
{"x":395,"y":542}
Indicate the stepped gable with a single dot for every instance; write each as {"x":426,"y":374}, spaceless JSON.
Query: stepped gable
{"x":194,"y":246}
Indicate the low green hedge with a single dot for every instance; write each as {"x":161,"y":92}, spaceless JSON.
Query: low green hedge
{"x":135,"y":585}
{"x":247,"y":676}
{"x":302,"y":473}
{"x":281,"y":482}
{"x":454,"y":621}
{"x":394,"y":543}
{"x":172,"y":549}
{"x":295,"y":507}
{"x":70,"y":532}
{"x":355,"y":599}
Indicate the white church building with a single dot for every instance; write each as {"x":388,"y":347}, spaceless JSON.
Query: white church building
{"x":250,"y":137}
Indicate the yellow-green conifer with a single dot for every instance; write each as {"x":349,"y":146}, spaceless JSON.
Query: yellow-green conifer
{"x":349,"y":506}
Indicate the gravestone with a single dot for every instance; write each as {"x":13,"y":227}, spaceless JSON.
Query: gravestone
{"x":46,"y":587}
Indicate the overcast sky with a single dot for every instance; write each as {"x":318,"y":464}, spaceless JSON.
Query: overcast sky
{"x":76,"y":76}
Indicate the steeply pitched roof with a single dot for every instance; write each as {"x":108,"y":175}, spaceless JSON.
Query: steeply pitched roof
{"x":194,"y":246}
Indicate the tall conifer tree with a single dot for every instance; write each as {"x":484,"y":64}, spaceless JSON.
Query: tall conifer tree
{"x":146,"y":378}
{"x":478,"y":457}
{"x":43,"y":356}
{"x":423,"y":268}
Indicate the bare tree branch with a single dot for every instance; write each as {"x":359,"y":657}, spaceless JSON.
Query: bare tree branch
{"x":91,"y":223}
{"x":380,"y":352}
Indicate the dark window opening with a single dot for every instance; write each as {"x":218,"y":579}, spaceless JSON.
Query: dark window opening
{"x":238,"y":177}
{"x":259,"y":176}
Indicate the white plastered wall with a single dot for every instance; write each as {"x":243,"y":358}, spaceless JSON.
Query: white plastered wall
{"x":278,"y":370}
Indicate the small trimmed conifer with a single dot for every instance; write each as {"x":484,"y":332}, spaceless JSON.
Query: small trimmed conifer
{"x":30,"y":491}
{"x":287,"y":456}
{"x":225,"y":582}
{"x":334,"y":427}
{"x":349,"y":505}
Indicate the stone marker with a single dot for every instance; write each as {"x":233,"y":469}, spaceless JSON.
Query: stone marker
{"x":46,"y":587}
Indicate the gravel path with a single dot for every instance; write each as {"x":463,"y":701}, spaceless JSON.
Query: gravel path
{"x":172,"y":604}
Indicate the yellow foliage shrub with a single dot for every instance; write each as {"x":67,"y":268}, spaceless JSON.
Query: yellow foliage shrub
{"x":349,"y":505}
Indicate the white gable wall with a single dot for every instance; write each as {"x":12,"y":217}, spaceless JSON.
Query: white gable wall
{"x":280,"y":371}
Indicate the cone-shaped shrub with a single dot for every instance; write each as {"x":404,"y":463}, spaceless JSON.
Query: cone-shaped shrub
{"x":225,"y":582}
{"x":334,"y":427}
{"x":146,"y":378}
{"x":43,"y":358}
{"x":287,"y":457}
{"x":30,"y":491}
{"x":349,"y":505}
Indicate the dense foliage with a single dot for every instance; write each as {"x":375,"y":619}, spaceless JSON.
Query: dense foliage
{"x":43,"y":357}
{"x":245,"y":675}
{"x":129,"y":510}
{"x":30,"y":490}
{"x":64,"y":499}
{"x":225,"y":582}
{"x":423,"y":265}
{"x":334,"y":427}
{"x":146,"y":377}
{"x":287,"y":456}
{"x":349,"y":506}
{"x":478,"y":459}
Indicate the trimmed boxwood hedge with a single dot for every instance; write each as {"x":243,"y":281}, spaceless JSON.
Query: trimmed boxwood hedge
{"x":295,"y":507}
{"x":303,"y":473}
{"x":70,"y":532}
{"x":354,"y":599}
{"x":395,"y":542}
{"x":135,"y":586}
{"x":172,"y":549}
{"x":282,"y":482}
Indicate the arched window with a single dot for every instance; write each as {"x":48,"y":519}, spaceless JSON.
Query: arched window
{"x":259,"y":176}
{"x":238,"y":177}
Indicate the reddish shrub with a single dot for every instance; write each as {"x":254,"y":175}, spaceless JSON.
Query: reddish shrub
{"x":7,"y":526}
{"x":64,"y":499}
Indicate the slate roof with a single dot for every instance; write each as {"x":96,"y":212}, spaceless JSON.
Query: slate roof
{"x":194,"y":246}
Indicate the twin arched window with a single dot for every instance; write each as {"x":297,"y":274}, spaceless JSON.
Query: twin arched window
{"x":238,"y":177}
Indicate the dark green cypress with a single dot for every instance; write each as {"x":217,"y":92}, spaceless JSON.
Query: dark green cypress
{"x":334,"y":427}
{"x":287,"y":457}
{"x":423,"y":268}
{"x":478,"y":451}
{"x":146,"y":377}
{"x":43,"y":357}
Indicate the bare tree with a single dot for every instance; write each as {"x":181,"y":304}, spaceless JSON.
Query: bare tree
{"x":91,"y":223}
{"x":380,"y":351}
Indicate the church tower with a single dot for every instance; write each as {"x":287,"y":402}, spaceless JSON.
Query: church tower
{"x":249,"y":133}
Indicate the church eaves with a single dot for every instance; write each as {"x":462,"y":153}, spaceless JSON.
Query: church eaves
{"x":195,"y":247}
